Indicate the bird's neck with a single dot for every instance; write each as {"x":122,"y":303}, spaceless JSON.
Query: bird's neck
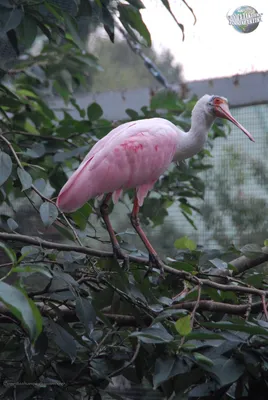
{"x":190,"y":143}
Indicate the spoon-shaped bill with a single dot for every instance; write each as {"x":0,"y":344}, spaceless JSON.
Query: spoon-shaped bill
{"x":222,"y":111}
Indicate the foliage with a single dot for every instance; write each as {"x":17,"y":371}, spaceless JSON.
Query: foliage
{"x":73,"y":320}
{"x":132,"y":75}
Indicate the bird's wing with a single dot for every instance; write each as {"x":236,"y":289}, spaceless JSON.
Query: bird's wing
{"x":111,"y":136}
{"x":135,"y":156}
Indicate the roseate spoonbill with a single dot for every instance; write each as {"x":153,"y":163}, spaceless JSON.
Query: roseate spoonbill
{"x":134,"y":155}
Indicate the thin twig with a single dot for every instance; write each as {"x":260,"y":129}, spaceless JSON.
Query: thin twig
{"x":60,"y":213}
{"x":38,"y":192}
{"x":70,"y":225}
{"x":196,"y":305}
{"x":190,"y":8}
{"x":249,"y":307}
{"x":12,"y":150}
{"x":264,"y":306}
{"x":99,"y":346}
{"x":135,"y":355}
{"x":45,"y":137}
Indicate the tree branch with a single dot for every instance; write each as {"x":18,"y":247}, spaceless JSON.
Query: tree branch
{"x":128,"y":364}
{"x":214,"y":306}
{"x":243,"y":263}
{"x":105,"y":254}
{"x":69,"y":315}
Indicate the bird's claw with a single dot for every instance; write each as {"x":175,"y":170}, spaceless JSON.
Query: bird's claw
{"x":154,"y":261}
{"x":120,"y":255}
{"x":125,"y":264}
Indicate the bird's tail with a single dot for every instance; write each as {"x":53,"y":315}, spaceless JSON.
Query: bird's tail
{"x":76,"y":191}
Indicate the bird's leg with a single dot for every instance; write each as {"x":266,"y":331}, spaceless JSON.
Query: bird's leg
{"x":153,"y":256}
{"x":104,"y":210}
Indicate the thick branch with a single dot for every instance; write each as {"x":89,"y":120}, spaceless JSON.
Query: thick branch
{"x":36,"y":241}
{"x":214,"y":306}
{"x":105,"y":254}
{"x":69,"y":315}
{"x":243,"y":263}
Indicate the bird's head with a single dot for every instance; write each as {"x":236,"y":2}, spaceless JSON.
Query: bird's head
{"x":218,"y":106}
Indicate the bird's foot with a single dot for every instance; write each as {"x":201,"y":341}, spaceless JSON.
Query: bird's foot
{"x":120,"y":255}
{"x":155,"y":261}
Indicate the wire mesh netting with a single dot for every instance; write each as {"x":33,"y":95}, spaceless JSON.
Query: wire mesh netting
{"x":235,"y":205}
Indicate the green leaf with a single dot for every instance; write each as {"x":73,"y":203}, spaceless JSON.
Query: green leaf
{"x":132,"y":20}
{"x":167,"y":100}
{"x":203,"y":359}
{"x":190,"y":220}
{"x":197,"y":335}
{"x":63,"y":340}
{"x":85,"y":312}
{"x":251,"y":250}
{"x":43,"y":28}
{"x":22,"y":308}
{"x":219,"y":263}
{"x":5,"y":167}
{"x":59,"y":157}
{"x":108,"y":22}
{"x":54,"y":9}
{"x":72,"y":28}
{"x":183,"y":266}
{"x":9,"y":252}
{"x":168,"y":313}
{"x":33,"y":269}
{"x":66,"y":278}
{"x":255,"y":280}
{"x":243,"y":327}
{"x":186,"y":208}
{"x":155,"y":334}
{"x":132,"y":113}
{"x":168,"y":368}
{"x":33,"y":251}
{"x":203,"y":390}
{"x":265,"y":243}
{"x":81,"y":216}
{"x":136,"y":3}
{"x":48,"y":213}
{"x":12,"y":224}
{"x":166,"y":4}
{"x":94,"y":111}
{"x":185,"y":243}
{"x":25,"y":179}
{"x":9,"y":19}
{"x":64,"y":232}
{"x":37,"y":318}
{"x":183,"y":325}
{"x":227,"y":370}
{"x":6,"y":3}
{"x":29,"y":30}
{"x":36,"y":151}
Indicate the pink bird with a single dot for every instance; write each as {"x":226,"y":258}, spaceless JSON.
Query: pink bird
{"x":135,"y":155}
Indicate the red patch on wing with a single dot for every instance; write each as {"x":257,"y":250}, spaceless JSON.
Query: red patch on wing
{"x":156,"y":147}
{"x":132,"y":146}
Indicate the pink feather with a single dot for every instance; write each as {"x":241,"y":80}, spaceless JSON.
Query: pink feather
{"x":133,"y":155}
